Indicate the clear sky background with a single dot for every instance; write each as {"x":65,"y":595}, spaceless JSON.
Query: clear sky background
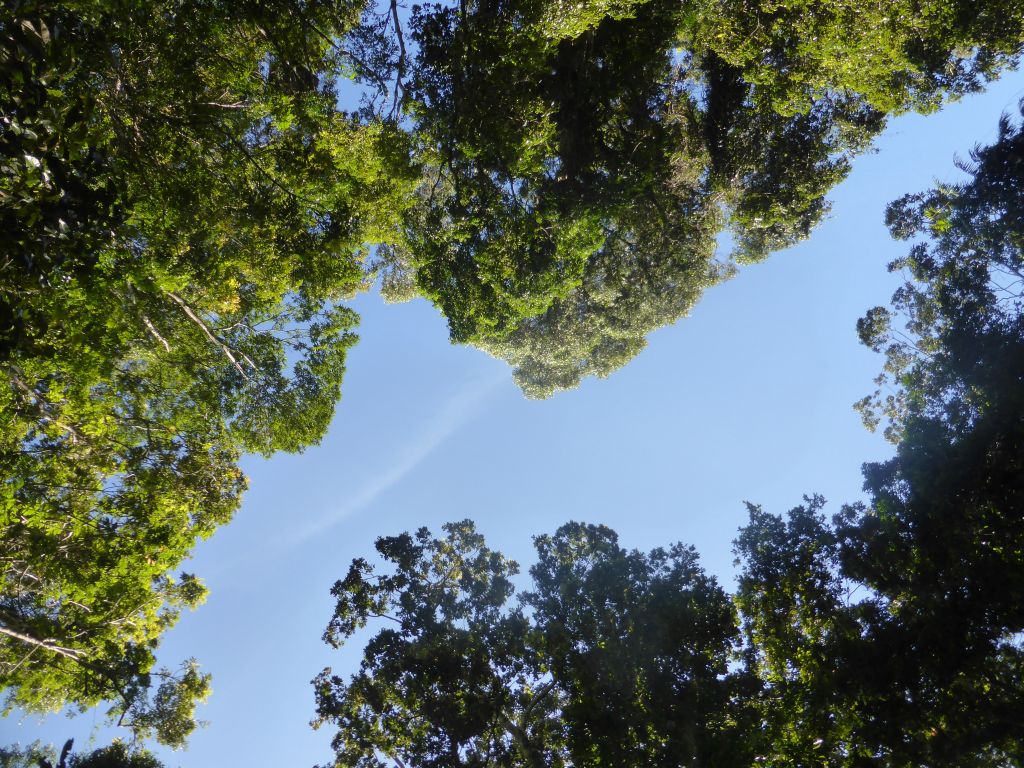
{"x":747,"y":399}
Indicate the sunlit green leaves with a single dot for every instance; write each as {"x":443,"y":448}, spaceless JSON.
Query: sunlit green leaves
{"x":185,"y":209}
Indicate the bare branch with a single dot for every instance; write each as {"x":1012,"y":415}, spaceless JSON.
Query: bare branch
{"x":48,"y":644}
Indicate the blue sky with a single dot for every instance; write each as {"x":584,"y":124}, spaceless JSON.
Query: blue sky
{"x":747,"y":399}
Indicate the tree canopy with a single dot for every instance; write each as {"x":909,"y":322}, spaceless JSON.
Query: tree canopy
{"x":183,"y":209}
{"x":614,"y":657}
{"x":581,"y":163}
{"x":890,"y":635}
{"x":115,"y":755}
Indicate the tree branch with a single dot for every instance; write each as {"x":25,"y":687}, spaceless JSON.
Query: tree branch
{"x":400,"y":69}
{"x":156,"y":334}
{"x":532,"y":756}
{"x":544,"y":691}
{"x":49,"y":645}
{"x":209,"y":334}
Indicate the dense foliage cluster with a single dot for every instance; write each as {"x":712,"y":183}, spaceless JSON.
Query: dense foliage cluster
{"x":182,"y":208}
{"x":615,"y":658}
{"x":581,"y":162}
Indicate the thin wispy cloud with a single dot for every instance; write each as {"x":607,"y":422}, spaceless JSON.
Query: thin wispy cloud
{"x":447,"y":420}
{"x":397,"y":463}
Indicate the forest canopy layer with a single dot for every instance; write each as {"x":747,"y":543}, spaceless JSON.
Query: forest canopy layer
{"x":582,"y":161}
{"x":889,"y":635}
{"x":187,"y":204}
